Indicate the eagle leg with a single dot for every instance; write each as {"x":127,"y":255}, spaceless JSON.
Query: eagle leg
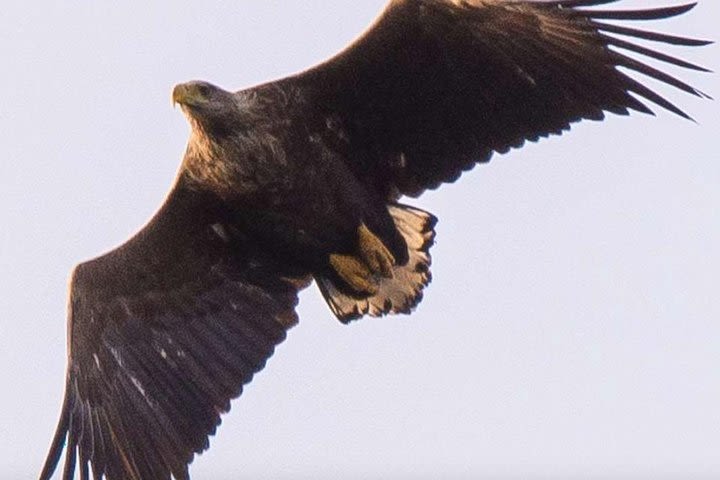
{"x":354,"y":272}
{"x":374,"y":252}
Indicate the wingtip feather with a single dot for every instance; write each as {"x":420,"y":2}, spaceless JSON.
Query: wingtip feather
{"x":58,"y":443}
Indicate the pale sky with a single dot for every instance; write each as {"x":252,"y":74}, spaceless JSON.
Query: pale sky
{"x":572,"y":329}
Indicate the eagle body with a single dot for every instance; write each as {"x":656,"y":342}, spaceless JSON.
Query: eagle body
{"x":284,"y":181}
{"x":300,"y":179}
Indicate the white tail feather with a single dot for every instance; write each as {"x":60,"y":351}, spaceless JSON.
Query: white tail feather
{"x":402,"y":292}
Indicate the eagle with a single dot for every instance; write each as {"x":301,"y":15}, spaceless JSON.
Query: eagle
{"x":300,"y":179}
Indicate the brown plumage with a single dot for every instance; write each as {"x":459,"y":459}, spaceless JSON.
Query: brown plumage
{"x":299,"y":179}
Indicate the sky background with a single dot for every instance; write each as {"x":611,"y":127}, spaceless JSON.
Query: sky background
{"x":572,"y":329}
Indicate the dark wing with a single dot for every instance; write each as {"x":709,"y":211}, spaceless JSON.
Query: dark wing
{"x":439,"y":85}
{"x":163,"y":333}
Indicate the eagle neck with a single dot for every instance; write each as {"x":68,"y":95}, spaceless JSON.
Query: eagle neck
{"x":206,"y":162}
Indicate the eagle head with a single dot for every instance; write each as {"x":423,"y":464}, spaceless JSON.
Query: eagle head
{"x":209,"y":108}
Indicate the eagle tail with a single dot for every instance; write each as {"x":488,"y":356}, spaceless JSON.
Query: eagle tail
{"x":404,"y":289}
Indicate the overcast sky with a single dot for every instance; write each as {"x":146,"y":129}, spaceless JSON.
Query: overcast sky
{"x":572,"y":329}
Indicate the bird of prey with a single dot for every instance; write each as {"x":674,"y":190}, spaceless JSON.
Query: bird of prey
{"x":300,"y":179}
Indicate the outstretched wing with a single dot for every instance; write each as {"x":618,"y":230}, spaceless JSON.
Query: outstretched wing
{"x":163,"y":333}
{"x":439,"y":85}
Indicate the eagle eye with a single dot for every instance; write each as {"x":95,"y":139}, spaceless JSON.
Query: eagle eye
{"x":203,"y":90}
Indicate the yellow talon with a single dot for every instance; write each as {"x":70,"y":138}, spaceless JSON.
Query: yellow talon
{"x":374,"y":252}
{"x":361,"y":272}
{"x":355,"y":273}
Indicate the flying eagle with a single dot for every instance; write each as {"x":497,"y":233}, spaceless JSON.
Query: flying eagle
{"x":299,"y":179}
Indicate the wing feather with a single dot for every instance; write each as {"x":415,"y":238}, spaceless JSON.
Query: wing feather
{"x":164,"y":332}
{"x":437,"y":86}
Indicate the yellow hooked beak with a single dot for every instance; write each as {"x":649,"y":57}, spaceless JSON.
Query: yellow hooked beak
{"x":185,"y":94}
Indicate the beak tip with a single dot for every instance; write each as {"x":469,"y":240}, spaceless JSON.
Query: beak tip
{"x":177,"y":94}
